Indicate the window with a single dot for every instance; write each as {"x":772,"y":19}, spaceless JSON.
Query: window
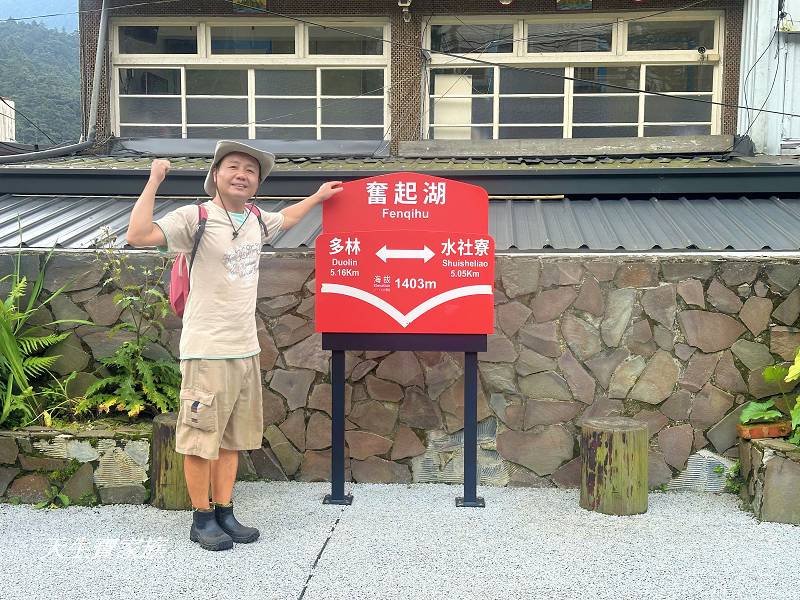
{"x":461,"y":39}
{"x":158,"y":40}
{"x":252,"y":40}
{"x":268,"y":80}
{"x":587,"y":78}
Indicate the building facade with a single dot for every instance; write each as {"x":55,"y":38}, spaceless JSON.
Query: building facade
{"x":384,"y":71}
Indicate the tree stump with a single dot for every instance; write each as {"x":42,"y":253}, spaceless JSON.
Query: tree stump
{"x":167,"y":481}
{"x":614,"y":470}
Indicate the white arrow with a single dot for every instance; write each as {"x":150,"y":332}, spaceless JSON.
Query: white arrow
{"x":425,"y":254}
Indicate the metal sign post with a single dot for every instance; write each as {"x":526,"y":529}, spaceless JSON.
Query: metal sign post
{"x":405,"y":263}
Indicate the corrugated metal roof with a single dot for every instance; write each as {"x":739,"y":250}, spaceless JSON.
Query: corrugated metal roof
{"x":710,"y":224}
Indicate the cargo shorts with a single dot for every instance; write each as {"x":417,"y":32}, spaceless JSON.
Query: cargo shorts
{"x":220,"y":406}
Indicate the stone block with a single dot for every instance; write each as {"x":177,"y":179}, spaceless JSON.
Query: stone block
{"x":722,"y":298}
{"x":123,"y":494}
{"x":676,"y":445}
{"x":379,"y":470}
{"x":541,"y":337}
{"x":657,"y":380}
{"x":293,"y":385}
{"x":691,"y":290}
{"x":402,"y":368}
{"x":542,"y":449}
{"x":545,"y":385}
{"x":603,"y":364}
{"x":619,"y":308}
{"x":8,"y":450}
{"x":660,"y":304}
{"x":788,"y":310}
{"x":29,"y":489}
{"x":755,"y":314}
{"x":582,"y":337}
{"x":294,"y":428}
{"x":568,"y":476}
{"x":548,"y":305}
{"x":512,"y":316}
{"x":308,"y":354}
{"x":752,"y":355}
{"x":581,"y":384}
{"x":318,"y":434}
{"x":286,"y":453}
{"x":549,"y":412}
{"x":780,"y":500}
{"x":74,"y":271}
{"x":530,"y":362}
{"x":520,"y":276}
{"x":498,"y":349}
{"x":416,"y":410}
{"x":281,"y":275}
{"x":406,"y":444}
{"x":590,"y":298}
{"x":625,"y":376}
{"x":708,"y":331}
{"x":636,"y":275}
{"x":7,"y":475}
{"x":709,"y":406}
{"x":784,"y":341}
{"x":267,"y":465}
{"x":698,"y":372}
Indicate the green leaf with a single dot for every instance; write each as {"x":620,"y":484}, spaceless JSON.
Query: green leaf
{"x":795,"y":414}
{"x":760,"y":412}
{"x":775,"y":373}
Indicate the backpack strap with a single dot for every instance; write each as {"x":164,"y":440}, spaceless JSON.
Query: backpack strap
{"x":254,"y":209}
{"x":202,"y":217}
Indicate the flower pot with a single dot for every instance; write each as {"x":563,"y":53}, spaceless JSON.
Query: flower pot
{"x":754,"y":431}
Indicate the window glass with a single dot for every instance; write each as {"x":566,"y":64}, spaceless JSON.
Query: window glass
{"x":228,"y":133}
{"x":679,"y":78}
{"x":659,"y":109}
{"x":652,"y":130}
{"x":274,"y":82}
{"x":614,"y":109}
{"x":286,"y":112}
{"x":569,"y":37}
{"x":460,"y":133}
{"x":160,"y":131}
{"x":212,"y":82}
{"x":355,"y":40}
{"x":604,"y":132}
{"x":521,"y":133}
{"x":670,"y":35}
{"x":352,"y":133}
{"x":152,"y":82}
{"x":463,"y":39}
{"x":358,"y":111}
{"x":621,"y":76}
{"x":252,"y":40}
{"x":534,"y":81}
{"x":471,"y":110}
{"x":352,"y":82}
{"x":286,"y":133}
{"x":150,"y":110}
{"x":531,"y":110}
{"x":157,"y":39}
{"x":480,"y":81}
{"x":211,"y":110}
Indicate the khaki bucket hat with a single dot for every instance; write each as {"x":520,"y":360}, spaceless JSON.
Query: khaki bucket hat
{"x":266,"y":160}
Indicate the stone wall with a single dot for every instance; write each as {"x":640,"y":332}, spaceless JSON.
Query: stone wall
{"x":677,"y":342}
{"x":770,"y":470}
{"x":88,"y":466}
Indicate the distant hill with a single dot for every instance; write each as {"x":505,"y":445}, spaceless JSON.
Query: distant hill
{"x":39,"y":71}
{"x":23,"y":8}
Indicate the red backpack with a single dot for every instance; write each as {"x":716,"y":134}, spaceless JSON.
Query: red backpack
{"x":182,"y":269}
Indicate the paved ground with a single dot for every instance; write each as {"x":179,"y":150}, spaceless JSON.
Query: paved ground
{"x":403,"y":542}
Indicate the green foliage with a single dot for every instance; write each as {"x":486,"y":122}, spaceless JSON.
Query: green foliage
{"x":55,"y":499}
{"x":733,"y":478}
{"x":40,"y":72}
{"x":760,"y":412}
{"x":21,"y":344}
{"x":135,"y":383}
{"x":60,"y":476}
{"x":794,"y":411}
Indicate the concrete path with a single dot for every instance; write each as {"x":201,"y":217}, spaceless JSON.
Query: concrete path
{"x":399,"y":541}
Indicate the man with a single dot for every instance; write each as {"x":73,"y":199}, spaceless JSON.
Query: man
{"x":220,"y":400}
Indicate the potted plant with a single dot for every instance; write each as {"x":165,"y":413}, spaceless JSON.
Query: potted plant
{"x":764,"y":419}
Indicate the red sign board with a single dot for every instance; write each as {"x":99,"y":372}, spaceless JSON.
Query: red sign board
{"x":377,"y":273}
{"x":397,"y":201}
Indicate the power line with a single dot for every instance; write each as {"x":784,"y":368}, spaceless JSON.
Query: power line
{"x":512,"y":66}
{"x":24,"y":116}
{"x":89,"y":10}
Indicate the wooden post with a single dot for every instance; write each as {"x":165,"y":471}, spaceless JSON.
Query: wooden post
{"x":614,"y":470}
{"x":167,"y":481}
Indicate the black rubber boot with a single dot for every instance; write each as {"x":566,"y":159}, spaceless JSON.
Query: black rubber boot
{"x":206,"y":532}
{"x":238,"y":532}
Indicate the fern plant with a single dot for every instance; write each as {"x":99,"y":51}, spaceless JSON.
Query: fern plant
{"x":134,"y":383}
{"x":21,"y":344}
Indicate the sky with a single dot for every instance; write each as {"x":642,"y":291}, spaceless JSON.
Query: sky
{"x":26,"y":8}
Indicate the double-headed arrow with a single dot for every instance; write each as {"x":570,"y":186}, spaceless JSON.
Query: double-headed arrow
{"x":425,"y":254}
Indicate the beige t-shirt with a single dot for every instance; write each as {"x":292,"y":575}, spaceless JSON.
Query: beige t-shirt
{"x":220,"y":316}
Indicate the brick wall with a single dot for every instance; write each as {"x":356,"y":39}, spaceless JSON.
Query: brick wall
{"x":406,"y":63}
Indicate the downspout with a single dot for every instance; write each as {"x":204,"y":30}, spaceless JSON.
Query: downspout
{"x":89,"y":140}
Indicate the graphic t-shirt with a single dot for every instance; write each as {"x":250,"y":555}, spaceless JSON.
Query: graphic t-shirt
{"x":220,"y":316}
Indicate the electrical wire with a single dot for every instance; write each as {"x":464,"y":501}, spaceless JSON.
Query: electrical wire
{"x":511,"y":66}
{"x":24,"y":116}
{"x":89,"y":10}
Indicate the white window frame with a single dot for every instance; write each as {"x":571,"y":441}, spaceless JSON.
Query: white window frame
{"x":251,"y":62}
{"x":618,"y":56}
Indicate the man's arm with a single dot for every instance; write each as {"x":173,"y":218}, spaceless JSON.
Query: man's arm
{"x":141,"y":229}
{"x":293,"y":214}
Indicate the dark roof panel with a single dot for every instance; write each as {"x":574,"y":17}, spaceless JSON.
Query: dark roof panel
{"x":707,"y":224}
